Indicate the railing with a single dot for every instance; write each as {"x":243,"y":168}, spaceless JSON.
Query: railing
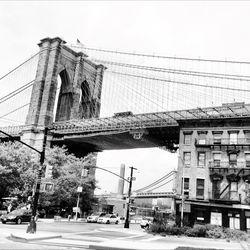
{"x":147,"y":120}
{"x":159,"y":194}
{"x":230,"y":196}
{"x":223,"y":141}
{"x":12,"y":130}
{"x":230,"y":165}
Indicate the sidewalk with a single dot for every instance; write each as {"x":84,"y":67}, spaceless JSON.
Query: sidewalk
{"x":156,"y":243}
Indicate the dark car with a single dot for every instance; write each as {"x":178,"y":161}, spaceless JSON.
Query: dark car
{"x":18,"y":216}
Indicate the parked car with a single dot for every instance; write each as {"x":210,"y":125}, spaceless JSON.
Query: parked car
{"x":108,"y":219}
{"x":146,"y":222}
{"x":18,"y":216}
{"x":94,"y":217}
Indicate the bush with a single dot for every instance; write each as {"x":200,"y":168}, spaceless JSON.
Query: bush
{"x":208,"y":231}
{"x":234,"y":234}
{"x":196,"y":231}
{"x":157,"y":228}
{"x":215,"y":232}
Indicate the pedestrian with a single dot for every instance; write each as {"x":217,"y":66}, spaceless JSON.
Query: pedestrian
{"x":32,"y":226}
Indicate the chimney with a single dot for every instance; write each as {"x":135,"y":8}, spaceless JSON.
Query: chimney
{"x":121,"y":181}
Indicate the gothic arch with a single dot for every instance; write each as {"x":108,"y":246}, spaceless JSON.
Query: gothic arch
{"x":64,"y":97}
{"x":85,"y":101}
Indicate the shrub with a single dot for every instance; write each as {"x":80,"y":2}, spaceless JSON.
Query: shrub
{"x":234,"y":234}
{"x":157,"y":228}
{"x":215,"y":232}
{"x":196,"y":231}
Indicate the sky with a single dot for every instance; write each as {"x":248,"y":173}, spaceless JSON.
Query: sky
{"x":197,"y":29}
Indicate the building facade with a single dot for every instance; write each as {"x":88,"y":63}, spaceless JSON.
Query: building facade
{"x":214,"y":172}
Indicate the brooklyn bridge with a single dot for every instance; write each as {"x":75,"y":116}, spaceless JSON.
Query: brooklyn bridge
{"x":95,"y":99}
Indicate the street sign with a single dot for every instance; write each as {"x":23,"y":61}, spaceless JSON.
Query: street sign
{"x":79,"y":189}
{"x":46,"y":187}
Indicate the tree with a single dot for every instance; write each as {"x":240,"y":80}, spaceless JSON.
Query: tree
{"x":17,"y":170}
{"x":18,"y":166}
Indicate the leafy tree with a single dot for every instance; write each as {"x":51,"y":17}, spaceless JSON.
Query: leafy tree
{"x":18,"y":166}
{"x":17,"y":170}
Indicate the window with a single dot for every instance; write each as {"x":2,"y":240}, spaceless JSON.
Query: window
{"x":217,"y":137}
{"x":200,"y":183}
{"x":187,"y":138}
{"x":201,"y":159}
{"x":234,"y":222}
{"x":247,"y":155}
{"x":216,"y":218}
{"x":232,"y":160}
{"x":217,"y":159}
{"x":187,"y":159}
{"x":202,"y":138}
{"x":200,"y":215}
{"x":247,"y":136}
{"x":233,"y":138}
{"x":186,"y":187}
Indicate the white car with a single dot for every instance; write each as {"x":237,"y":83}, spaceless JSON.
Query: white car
{"x":108,"y":219}
{"x":146,"y":222}
{"x":94,"y":217}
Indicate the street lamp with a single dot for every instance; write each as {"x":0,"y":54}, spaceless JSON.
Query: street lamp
{"x":131,"y":178}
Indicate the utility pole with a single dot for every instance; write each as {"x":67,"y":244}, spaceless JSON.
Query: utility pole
{"x":182,"y":192}
{"x":126,"y":224}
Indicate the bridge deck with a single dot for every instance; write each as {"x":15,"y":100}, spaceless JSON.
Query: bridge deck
{"x":150,"y":120}
{"x":155,"y":129}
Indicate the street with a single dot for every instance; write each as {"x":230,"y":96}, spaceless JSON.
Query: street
{"x":75,"y":235}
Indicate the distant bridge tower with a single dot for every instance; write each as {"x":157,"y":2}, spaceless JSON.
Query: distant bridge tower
{"x":67,"y":86}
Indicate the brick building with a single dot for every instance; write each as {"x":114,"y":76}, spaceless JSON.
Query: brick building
{"x":214,"y":159}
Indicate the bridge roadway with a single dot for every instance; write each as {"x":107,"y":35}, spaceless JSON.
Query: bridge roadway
{"x":132,"y":131}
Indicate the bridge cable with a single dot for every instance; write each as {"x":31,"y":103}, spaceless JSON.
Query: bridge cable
{"x":18,"y":66}
{"x":162,"y":184}
{"x":17,"y":91}
{"x":156,"y":182}
{"x":182,"y":83}
{"x":163,"y":57}
{"x":182,"y":72}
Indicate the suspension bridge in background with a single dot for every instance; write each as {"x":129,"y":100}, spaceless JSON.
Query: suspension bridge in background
{"x":98,"y":99}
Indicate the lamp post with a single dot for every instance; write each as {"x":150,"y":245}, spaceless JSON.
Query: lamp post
{"x":126,"y":224}
{"x":182,"y":192}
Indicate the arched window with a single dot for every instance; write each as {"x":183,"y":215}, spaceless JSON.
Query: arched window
{"x":64,"y":98}
{"x":85,"y":100}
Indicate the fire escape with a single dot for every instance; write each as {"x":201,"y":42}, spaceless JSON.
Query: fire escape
{"x":226,"y":176}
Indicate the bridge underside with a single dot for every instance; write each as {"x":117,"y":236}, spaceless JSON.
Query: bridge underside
{"x":80,"y":144}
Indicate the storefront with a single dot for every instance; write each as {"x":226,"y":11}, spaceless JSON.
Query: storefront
{"x":234,"y":216}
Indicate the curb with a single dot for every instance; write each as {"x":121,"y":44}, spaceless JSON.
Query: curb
{"x":27,"y":239}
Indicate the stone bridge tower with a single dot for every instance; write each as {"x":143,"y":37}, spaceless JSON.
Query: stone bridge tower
{"x":67,"y":86}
